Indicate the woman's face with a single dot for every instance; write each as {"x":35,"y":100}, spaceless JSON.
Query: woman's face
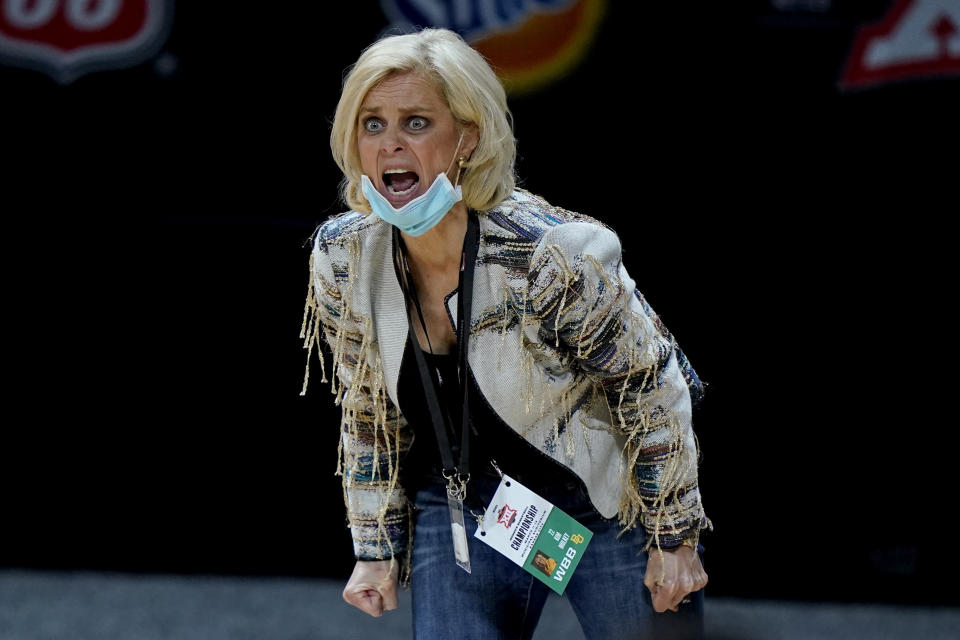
{"x":406,"y":135}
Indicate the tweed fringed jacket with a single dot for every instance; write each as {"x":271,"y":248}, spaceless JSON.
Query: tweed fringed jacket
{"x":563,"y":347}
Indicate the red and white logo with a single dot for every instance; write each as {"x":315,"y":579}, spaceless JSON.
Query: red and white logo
{"x":917,"y":38}
{"x":69,"y":38}
{"x":506,"y":516}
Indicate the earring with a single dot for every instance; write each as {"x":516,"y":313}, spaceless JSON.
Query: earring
{"x":460,"y":162}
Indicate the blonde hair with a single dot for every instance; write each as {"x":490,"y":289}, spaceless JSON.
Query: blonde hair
{"x":471,"y":90}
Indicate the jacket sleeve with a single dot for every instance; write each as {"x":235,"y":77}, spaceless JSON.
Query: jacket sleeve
{"x":373,"y":433}
{"x":590,"y":312}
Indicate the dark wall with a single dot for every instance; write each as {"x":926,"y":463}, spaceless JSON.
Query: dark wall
{"x":789,"y":234}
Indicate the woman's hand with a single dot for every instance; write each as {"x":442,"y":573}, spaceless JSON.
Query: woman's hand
{"x":372,"y":587}
{"x":672,"y":575}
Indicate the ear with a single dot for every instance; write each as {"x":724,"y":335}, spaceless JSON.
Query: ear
{"x":471,"y":138}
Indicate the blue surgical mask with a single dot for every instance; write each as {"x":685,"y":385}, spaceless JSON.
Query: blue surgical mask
{"x":421,"y":213}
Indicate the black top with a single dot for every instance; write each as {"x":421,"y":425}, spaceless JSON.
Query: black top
{"x":491,"y":438}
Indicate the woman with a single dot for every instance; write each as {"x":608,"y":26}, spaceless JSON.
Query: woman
{"x":568,"y":380}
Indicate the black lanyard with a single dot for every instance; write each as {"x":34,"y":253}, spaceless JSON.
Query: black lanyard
{"x":468,"y":258}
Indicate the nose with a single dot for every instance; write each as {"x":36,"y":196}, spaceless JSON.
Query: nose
{"x":391,"y":142}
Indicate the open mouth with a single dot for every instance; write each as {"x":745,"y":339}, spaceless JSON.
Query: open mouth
{"x":400,"y":182}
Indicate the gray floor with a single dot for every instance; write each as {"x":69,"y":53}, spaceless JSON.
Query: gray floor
{"x":93,"y":606}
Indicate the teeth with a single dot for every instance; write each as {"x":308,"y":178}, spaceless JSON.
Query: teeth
{"x":405,"y":192}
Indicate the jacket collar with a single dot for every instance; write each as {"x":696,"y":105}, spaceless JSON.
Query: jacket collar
{"x":387,"y":304}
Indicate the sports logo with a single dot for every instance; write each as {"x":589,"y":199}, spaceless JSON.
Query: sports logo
{"x":529,"y":43}
{"x":506,"y":516}
{"x":69,"y":38}
{"x":916,"y":38}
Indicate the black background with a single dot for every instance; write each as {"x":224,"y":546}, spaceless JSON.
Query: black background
{"x":793,"y":237}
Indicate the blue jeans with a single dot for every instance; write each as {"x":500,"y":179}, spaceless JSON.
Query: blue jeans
{"x":501,"y":600}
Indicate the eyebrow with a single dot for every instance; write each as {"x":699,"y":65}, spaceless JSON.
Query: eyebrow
{"x":407,"y":110}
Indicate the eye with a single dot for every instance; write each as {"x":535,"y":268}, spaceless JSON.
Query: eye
{"x":373,"y":125}
{"x":417,"y":123}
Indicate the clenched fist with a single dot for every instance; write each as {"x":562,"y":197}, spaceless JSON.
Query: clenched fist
{"x":672,"y":575}
{"x":372,"y":587}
